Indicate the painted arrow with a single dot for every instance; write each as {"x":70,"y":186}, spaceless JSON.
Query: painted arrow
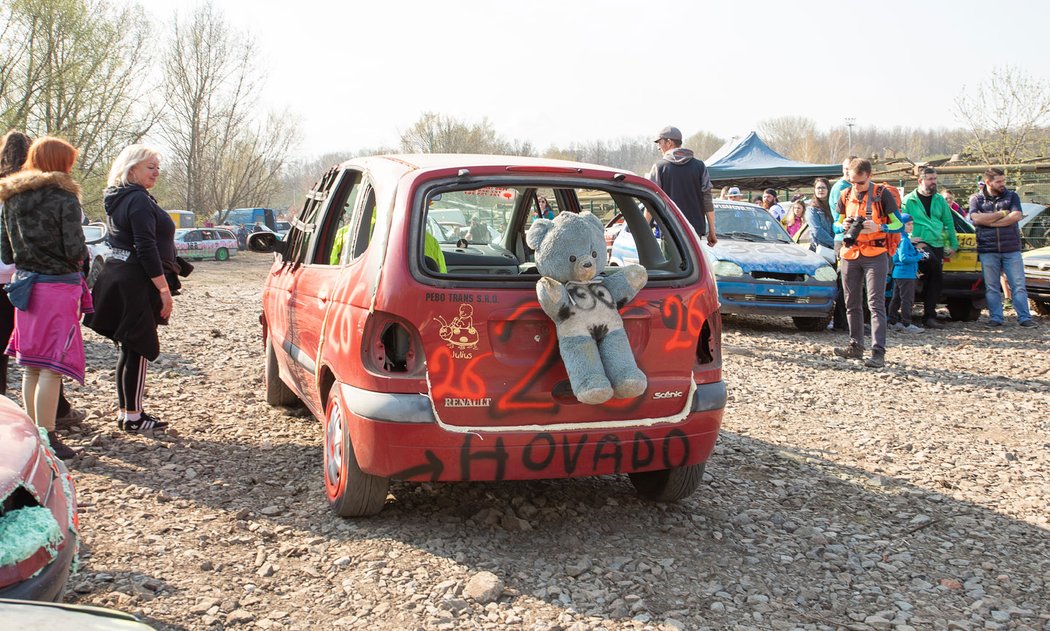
{"x":433,"y":466}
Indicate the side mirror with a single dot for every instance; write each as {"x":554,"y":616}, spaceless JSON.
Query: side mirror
{"x":266,"y":242}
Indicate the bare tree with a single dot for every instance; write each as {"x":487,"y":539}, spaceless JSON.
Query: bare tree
{"x":441,"y":133}
{"x":222,"y":156}
{"x":1004,"y":116}
{"x":795,"y":137}
{"x":703,"y":144}
{"x":75,"y":69}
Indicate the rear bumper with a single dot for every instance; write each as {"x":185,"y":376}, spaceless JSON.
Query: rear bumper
{"x":962,"y":285}
{"x":777,"y":299}
{"x":397,"y":436}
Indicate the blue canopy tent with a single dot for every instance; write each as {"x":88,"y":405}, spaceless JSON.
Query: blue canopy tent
{"x":750,"y":164}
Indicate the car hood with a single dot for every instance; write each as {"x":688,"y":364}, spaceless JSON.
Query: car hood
{"x":789,"y":258}
{"x":1037,"y":258}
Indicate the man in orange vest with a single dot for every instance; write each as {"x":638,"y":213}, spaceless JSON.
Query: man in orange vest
{"x":868,"y":213}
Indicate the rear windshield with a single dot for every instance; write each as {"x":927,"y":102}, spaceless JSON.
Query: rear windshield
{"x":479,"y":231}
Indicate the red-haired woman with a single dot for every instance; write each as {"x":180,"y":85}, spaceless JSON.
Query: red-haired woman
{"x":42,"y":236}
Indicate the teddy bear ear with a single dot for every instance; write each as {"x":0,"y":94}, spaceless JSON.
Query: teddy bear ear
{"x":534,"y":237}
{"x":592,"y":219}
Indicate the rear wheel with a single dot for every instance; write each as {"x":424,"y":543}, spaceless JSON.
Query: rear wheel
{"x":811,"y":324}
{"x":351,"y":492}
{"x":1042,"y":308}
{"x":668,"y":485}
{"x":963,"y":309}
{"x":277,"y":392}
{"x":222,"y":254}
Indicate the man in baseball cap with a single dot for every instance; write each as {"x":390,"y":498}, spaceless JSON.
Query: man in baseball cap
{"x":735,"y":194}
{"x":669,"y":133}
{"x":685,"y":180}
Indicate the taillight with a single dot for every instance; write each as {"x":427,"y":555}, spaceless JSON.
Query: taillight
{"x":393,"y":347}
{"x":704,"y":354}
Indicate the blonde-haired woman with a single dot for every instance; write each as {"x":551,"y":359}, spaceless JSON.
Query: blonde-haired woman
{"x":43,"y":238}
{"x":133,"y":294}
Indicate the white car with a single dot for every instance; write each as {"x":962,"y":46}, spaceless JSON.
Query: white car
{"x":98,"y":250}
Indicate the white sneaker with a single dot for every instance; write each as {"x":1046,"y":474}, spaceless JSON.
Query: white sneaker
{"x":911,"y":328}
{"x":897,"y":326}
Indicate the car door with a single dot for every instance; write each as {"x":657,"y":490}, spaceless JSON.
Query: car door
{"x":316,"y":281}
{"x":279,"y":304}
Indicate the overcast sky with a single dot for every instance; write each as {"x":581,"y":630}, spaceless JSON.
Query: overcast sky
{"x":554,"y":72}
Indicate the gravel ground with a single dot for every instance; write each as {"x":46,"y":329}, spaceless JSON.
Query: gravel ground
{"x":909,"y":498}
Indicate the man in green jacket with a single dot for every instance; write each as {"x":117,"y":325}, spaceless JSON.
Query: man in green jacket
{"x":933,"y":227}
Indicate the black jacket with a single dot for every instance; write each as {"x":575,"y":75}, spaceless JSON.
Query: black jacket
{"x":137,"y":224}
{"x":686,"y":181}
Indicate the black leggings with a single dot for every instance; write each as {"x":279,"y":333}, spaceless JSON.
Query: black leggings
{"x":131,"y":379}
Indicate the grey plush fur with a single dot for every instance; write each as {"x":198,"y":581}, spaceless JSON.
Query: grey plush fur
{"x":585,"y":306}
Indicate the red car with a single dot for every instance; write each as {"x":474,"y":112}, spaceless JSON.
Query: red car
{"x":427,"y":356}
{"x":38,"y":512}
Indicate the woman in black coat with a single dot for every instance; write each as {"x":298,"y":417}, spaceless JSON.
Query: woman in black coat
{"x":132,"y":296}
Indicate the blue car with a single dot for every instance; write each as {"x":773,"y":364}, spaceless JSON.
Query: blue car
{"x":758,"y":269}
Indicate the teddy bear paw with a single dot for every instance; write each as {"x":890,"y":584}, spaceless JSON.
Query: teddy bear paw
{"x":594,"y":392}
{"x":631,"y":387}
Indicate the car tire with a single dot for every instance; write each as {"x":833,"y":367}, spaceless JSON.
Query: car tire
{"x":1042,"y":308}
{"x":277,"y":392}
{"x":963,"y":309}
{"x":811,"y":324}
{"x":94,"y":271}
{"x":351,"y":492}
{"x":668,"y":485}
{"x":222,"y":254}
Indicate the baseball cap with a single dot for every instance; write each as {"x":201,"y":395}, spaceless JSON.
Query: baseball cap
{"x":734,"y":191}
{"x":669,"y":133}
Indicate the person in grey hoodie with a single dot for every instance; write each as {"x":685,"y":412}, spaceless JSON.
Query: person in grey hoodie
{"x":685,"y":179}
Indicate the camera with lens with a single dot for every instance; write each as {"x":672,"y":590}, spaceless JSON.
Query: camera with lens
{"x":853,"y":228}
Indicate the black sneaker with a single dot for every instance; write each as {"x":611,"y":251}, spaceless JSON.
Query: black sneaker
{"x":932,"y":323}
{"x":61,"y":449}
{"x":1028,"y":323}
{"x":145,"y":423}
{"x":993,"y":324}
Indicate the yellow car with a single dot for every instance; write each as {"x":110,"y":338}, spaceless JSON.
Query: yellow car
{"x":963,"y":288}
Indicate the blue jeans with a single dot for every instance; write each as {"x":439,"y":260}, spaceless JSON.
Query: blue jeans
{"x":994,"y":265}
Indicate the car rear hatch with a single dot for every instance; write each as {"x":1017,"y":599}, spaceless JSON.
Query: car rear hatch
{"x":492,"y":354}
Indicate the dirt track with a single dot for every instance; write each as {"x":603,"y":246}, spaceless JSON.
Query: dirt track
{"x":914,"y":497}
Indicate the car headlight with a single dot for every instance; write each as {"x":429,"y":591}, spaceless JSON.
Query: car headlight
{"x":728,"y":268}
{"x":826,"y":274}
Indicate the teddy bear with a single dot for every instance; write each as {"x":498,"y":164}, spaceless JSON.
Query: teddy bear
{"x":585,"y":306}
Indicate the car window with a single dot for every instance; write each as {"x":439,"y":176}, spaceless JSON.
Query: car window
{"x":306,"y":222}
{"x":364,"y":222}
{"x":483,"y":228}
{"x":1036,"y":232}
{"x":748,"y":224}
{"x":334,"y":236}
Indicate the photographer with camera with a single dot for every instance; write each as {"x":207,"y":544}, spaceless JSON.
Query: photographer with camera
{"x":868,"y":213}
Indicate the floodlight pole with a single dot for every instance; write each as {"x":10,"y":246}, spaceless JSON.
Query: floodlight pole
{"x":850,"y":122}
